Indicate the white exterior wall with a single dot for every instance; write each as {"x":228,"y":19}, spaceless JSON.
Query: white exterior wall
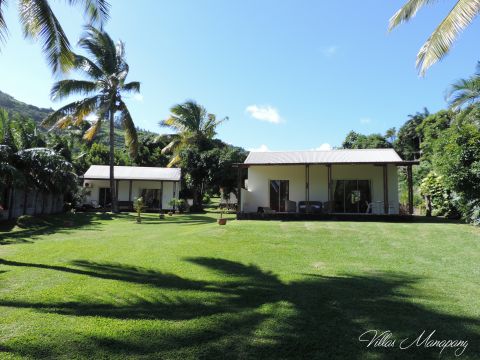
{"x":137,"y":186}
{"x":259,"y":177}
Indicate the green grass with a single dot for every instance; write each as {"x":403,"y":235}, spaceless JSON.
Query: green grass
{"x":186,"y":288}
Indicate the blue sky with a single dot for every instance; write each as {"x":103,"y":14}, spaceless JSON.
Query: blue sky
{"x":289,"y":74}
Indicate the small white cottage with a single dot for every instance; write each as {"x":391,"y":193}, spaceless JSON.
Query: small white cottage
{"x":157,"y":186}
{"x":357,"y":181}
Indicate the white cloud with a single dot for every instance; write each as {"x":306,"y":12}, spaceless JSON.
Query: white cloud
{"x":92,"y":117}
{"x":138,"y":97}
{"x":324,"y":146}
{"x":330,"y":50}
{"x":262,"y":148}
{"x":264,"y":113}
{"x":365,"y":120}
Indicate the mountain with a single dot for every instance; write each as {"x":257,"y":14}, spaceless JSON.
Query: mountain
{"x":12,"y":105}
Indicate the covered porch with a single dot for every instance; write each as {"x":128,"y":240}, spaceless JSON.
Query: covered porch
{"x":313,"y":189}
{"x":157,"y":187}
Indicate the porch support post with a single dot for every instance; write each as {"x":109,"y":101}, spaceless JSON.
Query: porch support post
{"x":329,"y":183}
{"x":116,"y":191}
{"x":174,"y":185}
{"x":239,"y":189}
{"x":385,"y":189}
{"x":161,"y":196}
{"x":130,"y":183}
{"x":410,"y":189}
{"x":307,"y":188}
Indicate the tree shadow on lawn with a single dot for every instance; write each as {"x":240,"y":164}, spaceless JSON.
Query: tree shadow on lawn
{"x":52,"y":224}
{"x":254,"y":314}
{"x":179,"y":219}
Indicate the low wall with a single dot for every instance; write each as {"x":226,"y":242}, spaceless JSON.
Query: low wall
{"x":21,"y":203}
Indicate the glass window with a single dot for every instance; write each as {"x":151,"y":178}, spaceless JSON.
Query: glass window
{"x":279,"y":194}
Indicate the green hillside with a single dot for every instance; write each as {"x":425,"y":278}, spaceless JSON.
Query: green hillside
{"x":12,"y":105}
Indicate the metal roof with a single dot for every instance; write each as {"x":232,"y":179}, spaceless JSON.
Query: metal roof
{"x":342,"y":156}
{"x":133,"y":173}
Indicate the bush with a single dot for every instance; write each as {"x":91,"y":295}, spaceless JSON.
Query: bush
{"x":178,"y":204}
{"x":139,"y":206}
{"x":206,"y":199}
{"x":26,"y":221}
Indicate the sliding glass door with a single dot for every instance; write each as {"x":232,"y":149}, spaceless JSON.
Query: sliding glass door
{"x":105,"y":197}
{"x":278,"y":194}
{"x":352,"y":196}
{"x":152,"y":198}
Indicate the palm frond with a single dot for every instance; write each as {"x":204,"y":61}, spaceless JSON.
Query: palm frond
{"x":131,"y":139}
{"x":133,"y":86}
{"x":464,"y":93}
{"x":407,"y":11}
{"x":441,"y":40}
{"x":93,"y":130}
{"x":3,"y":24}
{"x":174,"y":161}
{"x":63,"y":122}
{"x":88,"y":67}
{"x":96,"y":10}
{"x":99,"y":44}
{"x":78,"y":109}
{"x":39,"y":21}
{"x":174,"y":122}
{"x":170,"y":146}
{"x":65,"y":88}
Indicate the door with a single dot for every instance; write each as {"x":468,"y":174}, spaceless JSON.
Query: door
{"x":278,"y":194}
{"x":105,"y":197}
{"x":352,"y":196}
{"x":152,"y":198}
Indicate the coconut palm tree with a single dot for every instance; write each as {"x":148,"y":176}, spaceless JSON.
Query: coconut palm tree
{"x":106,"y":72}
{"x":465,"y":92}
{"x":192,"y":123}
{"x":38,"y":21}
{"x":441,"y":40}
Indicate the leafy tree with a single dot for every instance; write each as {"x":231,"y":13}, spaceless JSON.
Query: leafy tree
{"x":408,"y":139}
{"x":432,"y":128}
{"x":38,"y":21}
{"x":355,"y":140}
{"x":209,"y":170}
{"x":107,"y":71}
{"x":441,"y":40}
{"x":391,"y":135}
{"x":437,"y":197}
{"x":99,"y":154}
{"x":465,"y":93}
{"x":150,"y":150}
{"x":194,"y":126}
{"x":457,"y":158}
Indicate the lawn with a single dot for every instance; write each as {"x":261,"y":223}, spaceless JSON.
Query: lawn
{"x":187,"y":288}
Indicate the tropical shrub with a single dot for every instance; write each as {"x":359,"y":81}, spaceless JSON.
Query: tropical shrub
{"x":139,"y":206}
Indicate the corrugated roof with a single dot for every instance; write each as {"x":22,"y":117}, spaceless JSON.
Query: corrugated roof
{"x":343,"y":156}
{"x":133,"y":173}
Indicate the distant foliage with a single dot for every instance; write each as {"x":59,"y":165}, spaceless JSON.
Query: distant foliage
{"x":355,"y":140}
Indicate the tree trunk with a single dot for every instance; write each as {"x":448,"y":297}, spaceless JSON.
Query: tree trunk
{"x":429,"y":205}
{"x":197,"y":200}
{"x":113,"y":193}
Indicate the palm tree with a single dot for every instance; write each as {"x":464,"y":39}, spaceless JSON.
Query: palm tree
{"x":465,"y":92}
{"x":193,"y":124}
{"x":107,"y":71}
{"x":441,"y":40}
{"x":38,"y":21}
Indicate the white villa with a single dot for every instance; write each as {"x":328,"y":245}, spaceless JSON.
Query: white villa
{"x":157,"y":186}
{"x":360,"y":181}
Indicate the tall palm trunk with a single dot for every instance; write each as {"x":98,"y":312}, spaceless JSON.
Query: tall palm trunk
{"x":113,"y":193}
